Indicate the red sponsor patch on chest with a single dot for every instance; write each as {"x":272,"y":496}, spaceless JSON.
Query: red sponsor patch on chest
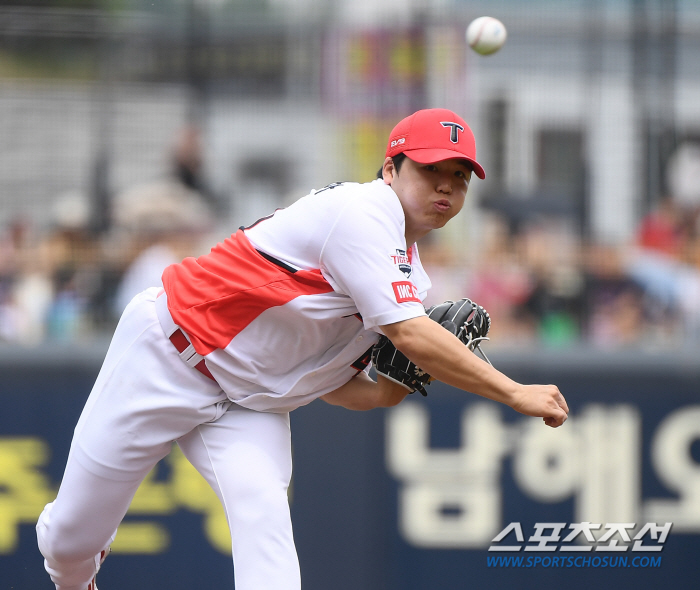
{"x":405,"y":291}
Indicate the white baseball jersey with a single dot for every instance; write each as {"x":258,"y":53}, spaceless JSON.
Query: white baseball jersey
{"x":287,"y":309}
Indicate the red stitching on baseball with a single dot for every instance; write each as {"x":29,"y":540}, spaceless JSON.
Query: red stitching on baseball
{"x":478,"y":36}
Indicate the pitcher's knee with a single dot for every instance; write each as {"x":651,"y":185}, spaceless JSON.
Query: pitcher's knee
{"x":64,"y":543}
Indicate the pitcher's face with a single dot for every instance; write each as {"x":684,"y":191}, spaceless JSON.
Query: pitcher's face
{"x":430,"y":194}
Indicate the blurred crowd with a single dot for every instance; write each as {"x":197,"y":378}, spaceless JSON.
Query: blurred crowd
{"x":72,"y":280}
{"x":542,"y":283}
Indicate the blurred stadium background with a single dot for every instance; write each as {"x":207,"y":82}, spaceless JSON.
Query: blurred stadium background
{"x":135,"y":133}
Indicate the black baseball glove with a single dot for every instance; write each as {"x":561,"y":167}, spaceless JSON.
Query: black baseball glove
{"x":464,"y":318}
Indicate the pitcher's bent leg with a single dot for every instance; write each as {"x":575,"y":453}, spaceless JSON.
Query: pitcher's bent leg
{"x":246,"y":458}
{"x":143,"y":399}
{"x":71,"y":549}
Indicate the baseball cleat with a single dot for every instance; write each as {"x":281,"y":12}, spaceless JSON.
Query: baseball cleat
{"x":99,"y":560}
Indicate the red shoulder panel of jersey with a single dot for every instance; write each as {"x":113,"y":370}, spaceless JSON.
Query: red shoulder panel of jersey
{"x":215,"y":296}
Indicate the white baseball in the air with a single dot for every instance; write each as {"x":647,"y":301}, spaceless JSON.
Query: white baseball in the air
{"x":486,"y":35}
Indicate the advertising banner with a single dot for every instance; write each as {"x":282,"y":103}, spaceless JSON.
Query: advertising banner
{"x":448,"y":491}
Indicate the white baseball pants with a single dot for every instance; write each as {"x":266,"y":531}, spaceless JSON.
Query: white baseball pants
{"x":144,"y":398}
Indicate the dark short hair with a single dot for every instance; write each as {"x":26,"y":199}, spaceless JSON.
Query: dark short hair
{"x":398,"y":160}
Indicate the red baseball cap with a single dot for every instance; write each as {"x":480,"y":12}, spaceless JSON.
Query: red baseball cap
{"x":432,"y":135}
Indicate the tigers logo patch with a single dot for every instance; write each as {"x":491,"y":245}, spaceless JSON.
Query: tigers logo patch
{"x":402,"y":261}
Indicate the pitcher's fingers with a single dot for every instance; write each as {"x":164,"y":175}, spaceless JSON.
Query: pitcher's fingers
{"x":562,"y":403}
{"x":556,"y":420}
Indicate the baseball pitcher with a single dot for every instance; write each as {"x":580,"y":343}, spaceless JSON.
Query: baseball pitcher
{"x":291,"y":309}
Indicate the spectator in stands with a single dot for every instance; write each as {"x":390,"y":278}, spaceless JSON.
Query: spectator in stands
{"x":162,"y":223}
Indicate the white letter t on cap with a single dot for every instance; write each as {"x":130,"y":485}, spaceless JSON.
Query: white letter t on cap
{"x":454,"y":136}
